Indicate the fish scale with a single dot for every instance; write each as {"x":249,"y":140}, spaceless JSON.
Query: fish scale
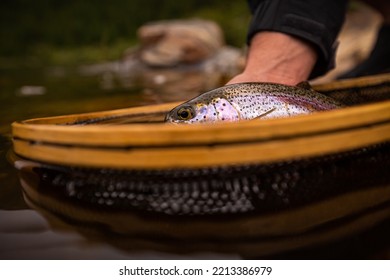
{"x":247,"y":101}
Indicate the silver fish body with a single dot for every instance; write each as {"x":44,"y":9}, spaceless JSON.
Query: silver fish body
{"x":248,"y":101}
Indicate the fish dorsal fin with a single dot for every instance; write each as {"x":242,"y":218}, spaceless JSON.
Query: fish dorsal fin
{"x":304,"y":85}
{"x":265,"y":113}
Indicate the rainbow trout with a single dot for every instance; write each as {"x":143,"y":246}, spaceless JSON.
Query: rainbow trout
{"x":246,"y":101}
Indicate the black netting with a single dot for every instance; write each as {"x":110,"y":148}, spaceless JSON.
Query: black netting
{"x":221,"y":190}
{"x":361,"y":95}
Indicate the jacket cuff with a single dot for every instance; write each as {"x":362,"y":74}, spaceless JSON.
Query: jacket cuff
{"x":317,"y":22}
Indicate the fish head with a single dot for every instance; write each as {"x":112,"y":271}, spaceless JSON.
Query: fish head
{"x":204,"y":111}
{"x":192,"y":112}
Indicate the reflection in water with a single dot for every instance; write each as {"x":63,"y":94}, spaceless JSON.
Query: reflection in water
{"x":269,"y":209}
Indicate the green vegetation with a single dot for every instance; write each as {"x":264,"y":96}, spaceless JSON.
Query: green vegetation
{"x":72,"y":31}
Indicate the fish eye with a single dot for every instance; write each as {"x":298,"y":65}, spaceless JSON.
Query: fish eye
{"x":185,"y":113}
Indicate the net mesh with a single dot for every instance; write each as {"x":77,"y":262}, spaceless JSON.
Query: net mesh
{"x":220,"y":190}
{"x":361,"y":95}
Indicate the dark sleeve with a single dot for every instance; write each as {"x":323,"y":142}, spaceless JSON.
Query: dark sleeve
{"x":316,"y":21}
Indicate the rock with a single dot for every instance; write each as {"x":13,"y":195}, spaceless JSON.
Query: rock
{"x":176,"y":60}
{"x":169,"y":43}
{"x":29,"y":90}
{"x":184,"y":82}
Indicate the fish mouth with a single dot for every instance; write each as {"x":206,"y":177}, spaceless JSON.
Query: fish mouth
{"x":167,"y":117}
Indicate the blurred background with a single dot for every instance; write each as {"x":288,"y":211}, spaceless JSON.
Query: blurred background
{"x":46,"y":44}
{"x":71,"y":32}
{"x":61,"y":57}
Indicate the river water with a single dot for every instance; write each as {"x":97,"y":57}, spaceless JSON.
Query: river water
{"x":26,"y":232}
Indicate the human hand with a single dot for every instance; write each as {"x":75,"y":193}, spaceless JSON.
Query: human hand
{"x":278,"y":58}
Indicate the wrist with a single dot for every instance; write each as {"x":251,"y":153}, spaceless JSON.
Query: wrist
{"x":279,"y":58}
